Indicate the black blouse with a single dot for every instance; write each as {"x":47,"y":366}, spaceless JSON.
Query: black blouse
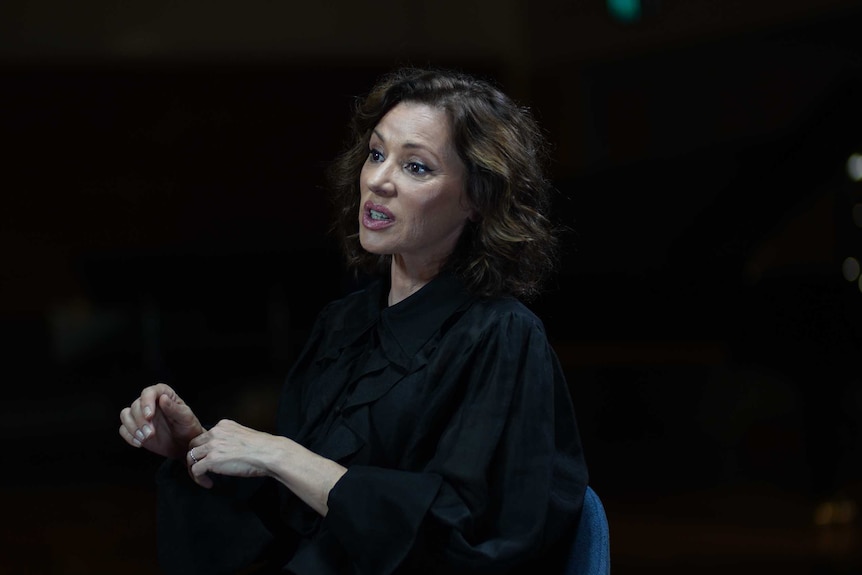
{"x":454,"y":420}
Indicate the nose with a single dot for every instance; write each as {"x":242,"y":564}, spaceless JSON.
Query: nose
{"x":378,"y":178}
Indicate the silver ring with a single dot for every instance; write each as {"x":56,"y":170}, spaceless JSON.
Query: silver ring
{"x":192,"y":455}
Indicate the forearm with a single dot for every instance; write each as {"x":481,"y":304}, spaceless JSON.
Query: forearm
{"x":309,"y":476}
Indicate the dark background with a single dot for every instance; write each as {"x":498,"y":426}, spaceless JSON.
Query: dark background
{"x":163,"y":218}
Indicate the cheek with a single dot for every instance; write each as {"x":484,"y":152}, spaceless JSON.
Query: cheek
{"x":362,"y":176}
{"x":444,"y":214}
{"x":460,"y":207}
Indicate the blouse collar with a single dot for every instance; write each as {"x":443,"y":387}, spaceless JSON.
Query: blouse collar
{"x":409,"y":324}
{"x":404,"y":328}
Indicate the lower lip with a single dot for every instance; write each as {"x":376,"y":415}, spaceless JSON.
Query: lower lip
{"x":372,"y":224}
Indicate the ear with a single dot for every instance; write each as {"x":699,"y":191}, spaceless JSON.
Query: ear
{"x":473,"y":214}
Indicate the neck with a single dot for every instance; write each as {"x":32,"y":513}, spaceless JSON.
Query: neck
{"x":404,"y":281}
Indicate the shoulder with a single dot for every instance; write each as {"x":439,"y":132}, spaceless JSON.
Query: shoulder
{"x":505,"y":308}
{"x":503,"y":316}
{"x":343,"y":319}
{"x":358,"y":304}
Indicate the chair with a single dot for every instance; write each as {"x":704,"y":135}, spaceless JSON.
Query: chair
{"x":591,"y":551}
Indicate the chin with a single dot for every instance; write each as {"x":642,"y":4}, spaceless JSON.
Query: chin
{"x":372,"y":248}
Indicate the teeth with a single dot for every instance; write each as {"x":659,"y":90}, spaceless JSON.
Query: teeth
{"x":375,"y":215}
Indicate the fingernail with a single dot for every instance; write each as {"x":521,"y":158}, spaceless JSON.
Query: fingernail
{"x":139,"y":434}
{"x":136,"y":442}
{"x":148,"y":431}
{"x":147,"y":411}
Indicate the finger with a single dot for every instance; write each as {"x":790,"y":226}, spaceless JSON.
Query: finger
{"x":177,"y":412}
{"x":199,"y":443}
{"x":135,"y":412}
{"x":133,"y":433}
{"x":194,"y":456}
{"x":198,"y":468}
{"x":150,"y":395}
{"x":173,"y":407}
{"x":202,"y":478}
{"x":170,"y":406}
{"x":128,"y":437}
{"x":136,"y":423}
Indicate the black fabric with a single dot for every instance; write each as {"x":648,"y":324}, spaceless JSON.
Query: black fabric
{"x":453,"y":417}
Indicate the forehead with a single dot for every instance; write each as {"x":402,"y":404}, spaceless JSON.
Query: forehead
{"x":418,"y":123}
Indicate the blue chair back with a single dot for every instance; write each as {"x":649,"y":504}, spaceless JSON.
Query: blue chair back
{"x":591,"y":550}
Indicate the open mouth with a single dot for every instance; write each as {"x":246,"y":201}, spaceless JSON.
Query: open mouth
{"x":375,"y":215}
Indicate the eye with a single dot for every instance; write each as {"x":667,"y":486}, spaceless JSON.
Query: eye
{"x":375,"y":155}
{"x":417,"y":168}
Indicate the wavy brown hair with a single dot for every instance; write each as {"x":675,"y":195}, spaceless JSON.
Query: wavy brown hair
{"x":512,"y":246}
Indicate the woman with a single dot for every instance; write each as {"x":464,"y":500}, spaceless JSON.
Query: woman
{"x":426,"y":427}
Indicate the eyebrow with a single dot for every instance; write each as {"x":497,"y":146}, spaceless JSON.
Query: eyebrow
{"x":409,"y":145}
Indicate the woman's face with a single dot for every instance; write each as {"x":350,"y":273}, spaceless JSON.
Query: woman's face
{"x":413,"y":202}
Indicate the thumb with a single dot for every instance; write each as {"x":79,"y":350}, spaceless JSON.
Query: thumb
{"x":178,"y":413}
{"x":172,"y":410}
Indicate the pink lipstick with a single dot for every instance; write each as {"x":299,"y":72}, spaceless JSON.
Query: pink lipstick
{"x":376,"y":217}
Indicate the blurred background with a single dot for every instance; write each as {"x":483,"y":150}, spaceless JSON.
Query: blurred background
{"x":163,"y":218}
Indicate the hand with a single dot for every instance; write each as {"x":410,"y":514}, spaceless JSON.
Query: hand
{"x":160,"y":421}
{"x":232,"y":449}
